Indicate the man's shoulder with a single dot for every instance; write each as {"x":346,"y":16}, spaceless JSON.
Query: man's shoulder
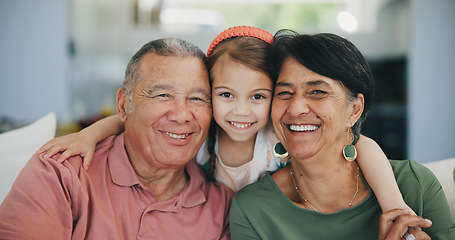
{"x":73,"y":164}
{"x":107,"y":142}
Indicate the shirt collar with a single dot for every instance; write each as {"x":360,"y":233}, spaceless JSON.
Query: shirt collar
{"x":123,"y":174}
{"x":193,"y":193}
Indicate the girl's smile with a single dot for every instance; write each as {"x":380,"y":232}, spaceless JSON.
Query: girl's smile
{"x":241,"y":99}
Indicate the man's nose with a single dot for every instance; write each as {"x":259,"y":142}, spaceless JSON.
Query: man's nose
{"x":180,"y":111}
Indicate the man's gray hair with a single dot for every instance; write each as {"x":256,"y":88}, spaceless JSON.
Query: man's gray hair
{"x":164,"y":47}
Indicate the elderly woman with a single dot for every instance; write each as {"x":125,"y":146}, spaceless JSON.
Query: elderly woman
{"x":323,"y":92}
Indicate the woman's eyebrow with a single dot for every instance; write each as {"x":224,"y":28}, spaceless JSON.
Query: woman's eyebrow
{"x":283,"y":84}
{"x":317,"y":83}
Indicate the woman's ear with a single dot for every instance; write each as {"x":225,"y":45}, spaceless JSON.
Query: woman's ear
{"x":122,"y":104}
{"x":357,"y":108}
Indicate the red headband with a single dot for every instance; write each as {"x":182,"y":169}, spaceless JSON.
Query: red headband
{"x":240,"y":31}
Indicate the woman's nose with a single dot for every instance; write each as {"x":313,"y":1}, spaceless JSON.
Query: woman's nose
{"x":297,"y":106}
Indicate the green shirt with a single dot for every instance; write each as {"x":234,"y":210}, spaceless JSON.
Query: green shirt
{"x":262,"y":211}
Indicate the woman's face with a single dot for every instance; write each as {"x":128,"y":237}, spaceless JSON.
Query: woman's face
{"x":241,"y":99}
{"x":310,"y":113}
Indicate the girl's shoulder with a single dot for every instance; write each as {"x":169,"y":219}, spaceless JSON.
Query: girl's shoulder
{"x":263,"y":149}
{"x":202,"y":156}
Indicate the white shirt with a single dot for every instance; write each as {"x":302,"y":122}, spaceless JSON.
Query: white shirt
{"x":263,"y":160}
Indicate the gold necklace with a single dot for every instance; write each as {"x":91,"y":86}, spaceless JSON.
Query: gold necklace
{"x":309,"y":203}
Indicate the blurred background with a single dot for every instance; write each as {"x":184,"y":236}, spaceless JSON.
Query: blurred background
{"x":69,"y":57}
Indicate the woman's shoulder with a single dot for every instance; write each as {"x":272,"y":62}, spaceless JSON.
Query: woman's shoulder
{"x":265,"y":185}
{"x":410,"y":168}
{"x":414,"y":179}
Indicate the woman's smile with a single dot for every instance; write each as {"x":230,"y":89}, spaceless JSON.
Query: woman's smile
{"x":302,"y":127}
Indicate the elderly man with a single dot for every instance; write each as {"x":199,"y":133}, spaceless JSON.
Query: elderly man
{"x":143,"y":183}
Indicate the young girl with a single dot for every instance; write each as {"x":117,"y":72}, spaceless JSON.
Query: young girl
{"x":240,"y":142}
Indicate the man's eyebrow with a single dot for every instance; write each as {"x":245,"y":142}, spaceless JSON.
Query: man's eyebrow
{"x":159,"y":87}
{"x":156,"y":88}
{"x":202,"y":91}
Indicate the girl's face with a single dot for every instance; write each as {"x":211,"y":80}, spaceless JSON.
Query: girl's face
{"x":241,"y":98}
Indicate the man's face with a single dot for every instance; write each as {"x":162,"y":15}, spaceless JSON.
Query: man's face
{"x":171,"y":111}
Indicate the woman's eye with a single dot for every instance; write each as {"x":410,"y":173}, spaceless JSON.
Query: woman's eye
{"x":283,"y":94}
{"x":318,"y":93}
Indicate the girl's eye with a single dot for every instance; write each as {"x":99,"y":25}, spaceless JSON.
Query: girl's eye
{"x":226,"y":95}
{"x":258,"y":96}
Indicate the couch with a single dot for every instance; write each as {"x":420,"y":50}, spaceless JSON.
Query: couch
{"x":18,"y":145}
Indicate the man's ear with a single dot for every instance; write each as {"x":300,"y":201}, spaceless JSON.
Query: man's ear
{"x":122,"y":104}
{"x":357,"y":108}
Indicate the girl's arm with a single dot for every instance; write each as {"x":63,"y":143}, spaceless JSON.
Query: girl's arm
{"x":82,"y":143}
{"x":379,"y":175}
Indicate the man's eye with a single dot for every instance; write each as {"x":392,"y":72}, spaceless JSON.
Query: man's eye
{"x":162,"y":95}
{"x":197,"y":99}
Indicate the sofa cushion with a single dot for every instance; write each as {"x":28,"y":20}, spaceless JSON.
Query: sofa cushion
{"x":17,"y":147}
{"x":445,"y":172}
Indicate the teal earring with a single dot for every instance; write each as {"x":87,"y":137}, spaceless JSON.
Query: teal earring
{"x":349,"y":151}
{"x":279,"y":151}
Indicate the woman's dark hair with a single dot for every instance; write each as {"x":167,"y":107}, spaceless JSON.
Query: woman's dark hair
{"x":246,"y":50}
{"x":329,"y":55}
